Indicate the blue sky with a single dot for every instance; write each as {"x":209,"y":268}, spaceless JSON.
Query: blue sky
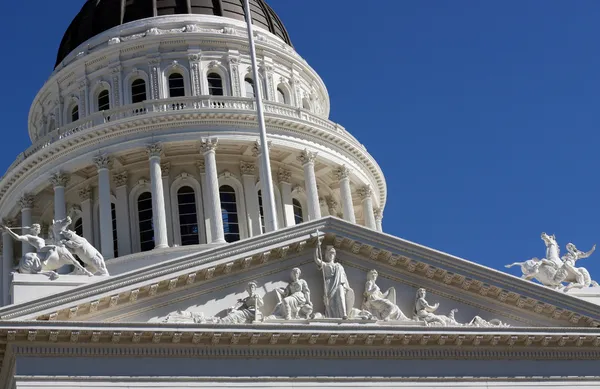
{"x":483,"y":115}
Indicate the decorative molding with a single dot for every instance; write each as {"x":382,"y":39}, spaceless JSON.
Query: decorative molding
{"x":248,"y":168}
{"x":201,"y":166}
{"x":120,"y":179}
{"x":284,"y":175}
{"x":307,"y":157}
{"x":165,"y":169}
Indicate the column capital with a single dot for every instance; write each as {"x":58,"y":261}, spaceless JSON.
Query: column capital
{"x":102,"y":162}
{"x":332,"y":205}
{"x":307,"y":157}
{"x":165,"y":168}
{"x":201,"y":166}
{"x":154,"y":150}
{"x":378,"y":212}
{"x":284,"y":175}
{"x":26,"y":201}
{"x":365,"y":192}
{"x":208,"y":145}
{"x":59,"y":179}
{"x":341,"y":172}
{"x":120,"y":179}
{"x":248,"y":168}
{"x":85,"y":193}
{"x":257,"y":148}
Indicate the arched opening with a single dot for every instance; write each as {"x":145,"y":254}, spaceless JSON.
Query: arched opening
{"x":249,"y":87}
{"x":215,"y":84}
{"x":229,"y":211}
{"x":75,"y":113}
{"x":176,"y":85}
{"x":103,"y":101}
{"x":113,"y":212}
{"x":188,"y":218}
{"x":138,"y":91}
{"x":298,"y":215}
{"x":78,"y":226}
{"x":146,"y":226}
{"x":281,"y":96}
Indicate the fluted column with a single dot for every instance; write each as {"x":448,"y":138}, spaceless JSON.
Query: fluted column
{"x":159,"y":217}
{"x":107,"y":246}
{"x":342,"y":173}
{"x":26,"y":204}
{"x":7,"y":262}
{"x":248,"y":170}
{"x":378,"y":219}
{"x":59,"y":181}
{"x":285,"y":187}
{"x":207,"y":237}
{"x":85,"y":196}
{"x":307,"y":158}
{"x":208,"y":148}
{"x":366,"y":194}
{"x":165,"y":169}
{"x":122,"y":208}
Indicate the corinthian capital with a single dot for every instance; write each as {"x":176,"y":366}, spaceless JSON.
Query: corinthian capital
{"x":154,"y":150}
{"x":307,"y":157}
{"x":165,"y":168}
{"x":201,"y":166}
{"x":85,"y":193}
{"x":365,"y":192}
{"x":284,"y":175}
{"x":120,"y":179}
{"x":59,"y":179}
{"x":26,"y":202}
{"x":257,"y":148}
{"x":341,"y":172}
{"x":102,"y":162}
{"x":209,"y":145}
{"x":247,"y":168}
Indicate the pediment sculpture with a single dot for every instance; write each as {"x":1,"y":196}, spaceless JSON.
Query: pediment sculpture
{"x":294,"y":301}
{"x":50,"y":257}
{"x":554,"y":271}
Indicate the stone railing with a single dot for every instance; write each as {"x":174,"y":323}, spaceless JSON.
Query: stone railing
{"x":203,"y":103}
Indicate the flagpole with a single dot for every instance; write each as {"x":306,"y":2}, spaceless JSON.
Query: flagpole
{"x":268,"y":194}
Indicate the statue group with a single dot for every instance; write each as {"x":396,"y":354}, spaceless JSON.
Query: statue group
{"x":65,"y":245}
{"x":555,"y":271}
{"x":294,"y":302}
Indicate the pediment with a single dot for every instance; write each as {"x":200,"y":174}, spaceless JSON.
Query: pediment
{"x":214,"y":280}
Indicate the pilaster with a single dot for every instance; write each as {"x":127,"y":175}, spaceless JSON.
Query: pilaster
{"x":233,"y":59}
{"x":195,"y":73}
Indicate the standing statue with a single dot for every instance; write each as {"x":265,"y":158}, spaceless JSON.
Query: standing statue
{"x":338,"y":296}
{"x":47,"y":258}
{"x":381,"y":305}
{"x":425,"y":312}
{"x":553,"y":270}
{"x":294,"y":300}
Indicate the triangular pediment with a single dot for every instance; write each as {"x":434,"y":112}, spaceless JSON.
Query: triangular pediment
{"x":211,"y":281}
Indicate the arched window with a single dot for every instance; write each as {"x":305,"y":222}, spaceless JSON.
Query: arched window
{"x":281,"y":96}
{"x":261,"y":212}
{"x":144,"y":204}
{"x":229,"y":211}
{"x":103,"y":101}
{"x":215,"y":84}
{"x":249,"y":86}
{"x":298,"y":218}
{"x":75,"y":113}
{"x":78,"y":225}
{"x":176,"y":85}
{"x":188,"y":219}
{"x":138,"y":91}
{"x":113,"y":212}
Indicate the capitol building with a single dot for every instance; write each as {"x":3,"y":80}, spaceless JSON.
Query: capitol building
{"x":153,"y":237}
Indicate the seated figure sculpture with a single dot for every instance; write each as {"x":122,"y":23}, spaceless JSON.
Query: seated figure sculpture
{"x":425,"y":312}
{"x":381,"y":305}
{"x":294,"y":300}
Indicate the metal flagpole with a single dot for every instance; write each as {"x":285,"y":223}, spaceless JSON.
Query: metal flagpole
{"x":268,"y":194}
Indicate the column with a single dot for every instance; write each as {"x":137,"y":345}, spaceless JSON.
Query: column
{"x":205,"y":202}
{"x":208,"y":148}
{"x":59,"y":181}
{"x":365,"y":194}
{"x":159,"y":217}
{"x":248,"y":170}
{"x":378,"y":219}
{"x":285,"y":187}
{"x":165,"y":169}
{"x":107,"y":247}
{"x":26,"y":204}
{"x":7,"y":262}
{"x":85,"y":196}
{"x":122,"y":208}
{"x":307,"y":158}
{"x":342,"y":173}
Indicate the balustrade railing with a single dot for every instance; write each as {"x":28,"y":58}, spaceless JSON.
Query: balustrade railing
{"x":182,"y":104}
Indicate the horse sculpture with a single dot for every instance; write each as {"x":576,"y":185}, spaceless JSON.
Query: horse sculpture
{"x":553,"y":270}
